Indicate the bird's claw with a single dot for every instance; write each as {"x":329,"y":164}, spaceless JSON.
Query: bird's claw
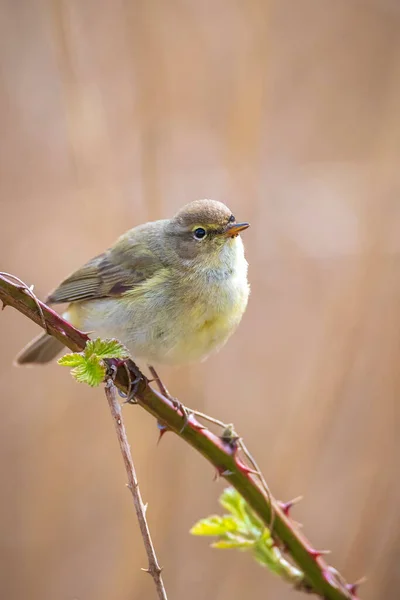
{"x":133,"y":389}
{"x":132,"y":370}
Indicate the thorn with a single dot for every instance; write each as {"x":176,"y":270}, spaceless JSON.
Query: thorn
{"x":156,"y":570}
{"x":219,"y":472}
{"x":286,"y":506}
{"x":353,"y":587}
{"x":162,"y":429}
{"x":244,"y":468}
{"x":335,"y":579}
{"x":317,"y":553}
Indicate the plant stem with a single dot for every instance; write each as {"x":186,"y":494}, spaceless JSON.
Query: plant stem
{"x":154,"y":569}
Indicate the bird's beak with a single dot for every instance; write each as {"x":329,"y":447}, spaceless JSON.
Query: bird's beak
{"x":235,"y":229}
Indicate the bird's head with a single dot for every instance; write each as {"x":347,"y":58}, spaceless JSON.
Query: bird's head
{"x":204,"y":231}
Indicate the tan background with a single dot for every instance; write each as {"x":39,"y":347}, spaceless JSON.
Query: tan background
{"x":115,"y":112}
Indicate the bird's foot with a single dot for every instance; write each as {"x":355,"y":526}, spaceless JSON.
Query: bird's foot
{"x":133,"y":389}
{"x":134,"y":377}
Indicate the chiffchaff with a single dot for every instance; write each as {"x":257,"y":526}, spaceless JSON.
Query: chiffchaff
{"x":171,"y":291}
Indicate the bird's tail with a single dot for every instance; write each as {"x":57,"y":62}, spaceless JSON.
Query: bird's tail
{"x":40,"y":350}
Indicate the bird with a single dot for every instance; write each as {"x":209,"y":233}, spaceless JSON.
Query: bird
{"x":172,"y":291}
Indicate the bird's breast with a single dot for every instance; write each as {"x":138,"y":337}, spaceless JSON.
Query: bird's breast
{"x":218,"y":301}
{"x":173,"y":319}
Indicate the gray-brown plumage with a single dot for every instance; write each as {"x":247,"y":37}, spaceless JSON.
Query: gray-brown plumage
{"x":172,"y":291}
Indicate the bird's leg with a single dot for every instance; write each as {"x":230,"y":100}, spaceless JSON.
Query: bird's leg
{"x":134,"y":377}
{"x":129,"y":398}
{"x":177,"y":404}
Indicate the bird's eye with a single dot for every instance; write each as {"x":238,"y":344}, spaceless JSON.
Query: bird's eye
{"x":200,"y":233}
{"x":231,"y":219}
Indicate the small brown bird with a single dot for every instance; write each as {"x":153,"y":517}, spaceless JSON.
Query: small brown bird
{"x":171,"y":291}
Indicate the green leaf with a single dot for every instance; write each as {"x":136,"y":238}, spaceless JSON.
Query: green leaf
{"x":231,"y":500}
{"x":215,"y":525}
{"x":71,"y":360}
{"x":234,"y":543}
{"x":88,"y":366}
{"x":242,"y":529}
{"x":92,"y":371}
{"x":108,"y":348}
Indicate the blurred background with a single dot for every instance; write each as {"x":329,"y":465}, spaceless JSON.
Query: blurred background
{"x":115,"y":112}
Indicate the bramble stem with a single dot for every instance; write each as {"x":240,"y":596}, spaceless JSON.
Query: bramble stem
{"x":319,"y":577}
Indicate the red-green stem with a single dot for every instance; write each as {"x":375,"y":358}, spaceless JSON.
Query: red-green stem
{"x":319,"y":578}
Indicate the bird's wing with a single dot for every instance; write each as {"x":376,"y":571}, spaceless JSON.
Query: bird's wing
{"x":110,"y":274}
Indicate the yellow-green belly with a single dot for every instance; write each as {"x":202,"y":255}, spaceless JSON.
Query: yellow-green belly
{"x":166,"y":325}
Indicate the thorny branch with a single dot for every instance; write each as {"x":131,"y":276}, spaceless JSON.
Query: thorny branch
{"x":224,"y":452}
{"x":154,"y":569}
